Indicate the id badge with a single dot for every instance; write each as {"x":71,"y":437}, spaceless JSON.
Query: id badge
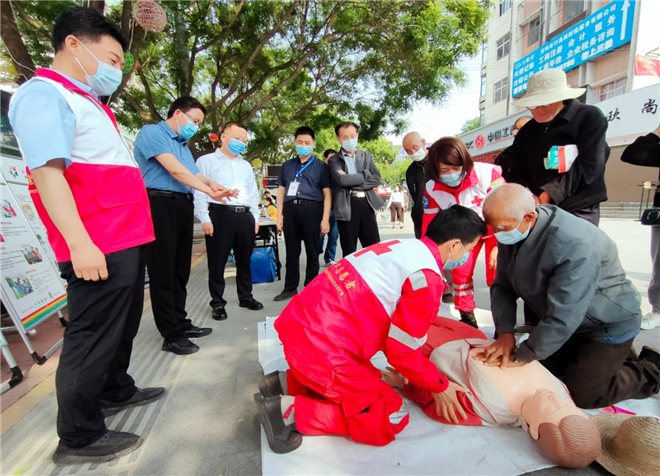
{"x":293,"y":189}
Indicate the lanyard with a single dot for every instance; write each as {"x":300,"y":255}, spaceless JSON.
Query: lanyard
{"x":305,"y":166}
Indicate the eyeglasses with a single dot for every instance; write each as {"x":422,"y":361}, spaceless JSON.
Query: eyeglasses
{"x":196,"y":121}
{"x":531,"y":108}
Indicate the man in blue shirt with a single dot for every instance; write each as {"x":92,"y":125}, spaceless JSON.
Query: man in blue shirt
{"x":170,"y":174}
{"x":305,"y":194}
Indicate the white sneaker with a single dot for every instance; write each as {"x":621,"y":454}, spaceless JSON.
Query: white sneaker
{"x":650,"y":321}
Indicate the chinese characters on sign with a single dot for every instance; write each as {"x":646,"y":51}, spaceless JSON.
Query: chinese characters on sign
{"x":604,"y":30}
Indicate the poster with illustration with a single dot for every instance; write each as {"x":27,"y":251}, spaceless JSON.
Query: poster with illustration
{"x":31,"y":288}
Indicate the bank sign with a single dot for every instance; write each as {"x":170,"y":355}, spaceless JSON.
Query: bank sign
{"x":606,"y":29}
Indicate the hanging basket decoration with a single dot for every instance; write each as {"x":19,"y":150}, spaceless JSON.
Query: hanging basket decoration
{"x":129,"y":62}
{"x":214,"y":137}
{"x":257,"y":163}
{"x":150,"y":15}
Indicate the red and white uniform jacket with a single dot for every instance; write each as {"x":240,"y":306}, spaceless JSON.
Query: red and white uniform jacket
{"x":382,"y":298}
{"x":471,"y":193}
{"x":105,"y":180}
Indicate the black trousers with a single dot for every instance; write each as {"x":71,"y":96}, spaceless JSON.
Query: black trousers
{"x":598,"y":374}
{"x":362,"y":226}
{"x":590,"y":214}
{"x":168,"y":261}
{"x":235,"y":231}
{"x":104,"y":318}
{"x":302,"y":223}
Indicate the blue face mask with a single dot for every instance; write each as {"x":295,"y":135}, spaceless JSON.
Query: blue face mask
{"x":452,"y":180}
{"x":187,"y":130}
{"x":106,"y":80}
{"x":236,"y":146}
{"x":349,"y":145}
{"x":452,"y":263}
{"x":512,"y":237}
{"x":304,"y":150}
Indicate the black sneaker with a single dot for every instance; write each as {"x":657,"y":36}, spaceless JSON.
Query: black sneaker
{"x":468,"y":318}
{"x":219,"y":313}
{"x":143,"y":396}
{"x":285,"y":295}
{"x":252,"y":305}
{"x":182,"y":347}
{"x":448,"y":298}
{"x":270,"y":385}
{"x":282,"y":438}
{"x":110,"y":446}
{"x":650,"y":355}
{"x":195,"y":331}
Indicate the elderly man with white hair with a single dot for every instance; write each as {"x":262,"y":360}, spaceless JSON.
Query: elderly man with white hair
{"x":568,"y":272}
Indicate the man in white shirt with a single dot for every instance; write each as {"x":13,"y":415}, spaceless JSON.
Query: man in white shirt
{"x":230,"y":225}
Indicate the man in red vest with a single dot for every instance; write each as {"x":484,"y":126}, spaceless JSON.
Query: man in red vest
{"x":382,"y":298}
{"x":90,"y":195}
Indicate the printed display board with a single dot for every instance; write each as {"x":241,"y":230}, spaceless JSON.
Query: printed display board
{"x":602,"y":31}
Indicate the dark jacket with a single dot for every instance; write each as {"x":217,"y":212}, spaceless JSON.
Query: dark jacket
{"x":415,"y":181}
{"x":584,"y":184}
{"x":645,"y":151}
{"x":568,"y":272}
{"x":365,"y":180}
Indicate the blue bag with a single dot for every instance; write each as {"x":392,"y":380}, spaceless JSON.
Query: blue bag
{"x":263,"y":265}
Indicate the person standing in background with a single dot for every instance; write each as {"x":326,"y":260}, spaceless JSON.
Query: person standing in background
{"x":271,"y":209}
{"x":396,"y":204}
{"x":90,"y":195}
{"x":333,"y":234}
{"x":415,"y":147}
{"x":455,"y":179}
{"x":171,"y":175}
{"x":354,"y":176}
{"x":304,"y":192}
{"x":645,"y":151}
{"x":560,"y":120}
{"x":231,"y":225}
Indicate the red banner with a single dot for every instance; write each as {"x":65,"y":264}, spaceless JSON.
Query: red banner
{"x":645,"y":66}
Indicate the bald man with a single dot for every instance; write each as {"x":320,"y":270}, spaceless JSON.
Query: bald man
{"x":587,"y":312}
{"x":415,"y":147}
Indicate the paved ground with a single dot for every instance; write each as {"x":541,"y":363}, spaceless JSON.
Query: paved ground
{"x":206,"y":424}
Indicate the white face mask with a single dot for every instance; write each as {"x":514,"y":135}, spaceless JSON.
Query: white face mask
{"x":419,"y":155}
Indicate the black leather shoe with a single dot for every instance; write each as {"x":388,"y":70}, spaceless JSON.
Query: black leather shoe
{"x":650,"y":355}
{"x":467,"y":317}
{"x":282,"y":438}
{"x":110,"y":446}
{"x":219,"y":313}
{"x":195,"y":331}
{"x":252,"y":305}
{"x":143,"y":396}
{"x":270,"y":385}
{"x":285,"y":295}
{"x":182,"y":347}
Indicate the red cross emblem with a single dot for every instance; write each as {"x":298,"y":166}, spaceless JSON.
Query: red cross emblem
{"x":477,"y":201}
{"x":378,"y":248}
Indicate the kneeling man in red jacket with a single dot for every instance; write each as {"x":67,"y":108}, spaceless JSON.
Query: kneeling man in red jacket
{"x":382,"y":298}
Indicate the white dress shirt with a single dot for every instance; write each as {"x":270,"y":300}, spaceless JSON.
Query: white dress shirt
{"x":233,"y":173}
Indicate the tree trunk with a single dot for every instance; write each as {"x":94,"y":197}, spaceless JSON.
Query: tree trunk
{"x":181,"y":47}
{"x":17,"y":50}
{"x":97,"y":5}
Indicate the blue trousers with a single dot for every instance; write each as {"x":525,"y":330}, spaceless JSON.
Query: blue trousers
{"x":331,"y":249}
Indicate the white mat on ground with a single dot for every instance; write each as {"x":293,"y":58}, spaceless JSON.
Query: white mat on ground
{"x":423,"y":447}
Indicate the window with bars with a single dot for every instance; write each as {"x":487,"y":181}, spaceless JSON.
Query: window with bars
{"x":534,"y":31}
{"x":613,"y":89}
{"x":500,"y":90}
{"x":572,"y":8}
{"x":503,"y":46}
{"x":505,"y":5}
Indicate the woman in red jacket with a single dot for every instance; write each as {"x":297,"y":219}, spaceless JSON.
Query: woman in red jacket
{"x":456,"y":179}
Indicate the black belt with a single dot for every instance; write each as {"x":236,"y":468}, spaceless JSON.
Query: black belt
{"x":359,"y":194}
{"x":166,"y":193}
{"x":229,"y":208}
{"x":304,"y":201}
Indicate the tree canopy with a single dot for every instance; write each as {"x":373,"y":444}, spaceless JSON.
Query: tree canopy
{"x":470,"y":125}
{"x":273,"y":64}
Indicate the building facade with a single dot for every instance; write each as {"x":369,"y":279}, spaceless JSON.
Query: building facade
{"x":594,"y":41}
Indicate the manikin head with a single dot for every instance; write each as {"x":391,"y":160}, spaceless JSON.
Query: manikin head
{"x":561,"y":430}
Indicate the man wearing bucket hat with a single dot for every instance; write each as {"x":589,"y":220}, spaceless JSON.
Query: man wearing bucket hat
{"x":572,"y":136}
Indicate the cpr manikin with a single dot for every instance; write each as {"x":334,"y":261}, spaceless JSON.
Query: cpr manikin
{"x":527,"y":396}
